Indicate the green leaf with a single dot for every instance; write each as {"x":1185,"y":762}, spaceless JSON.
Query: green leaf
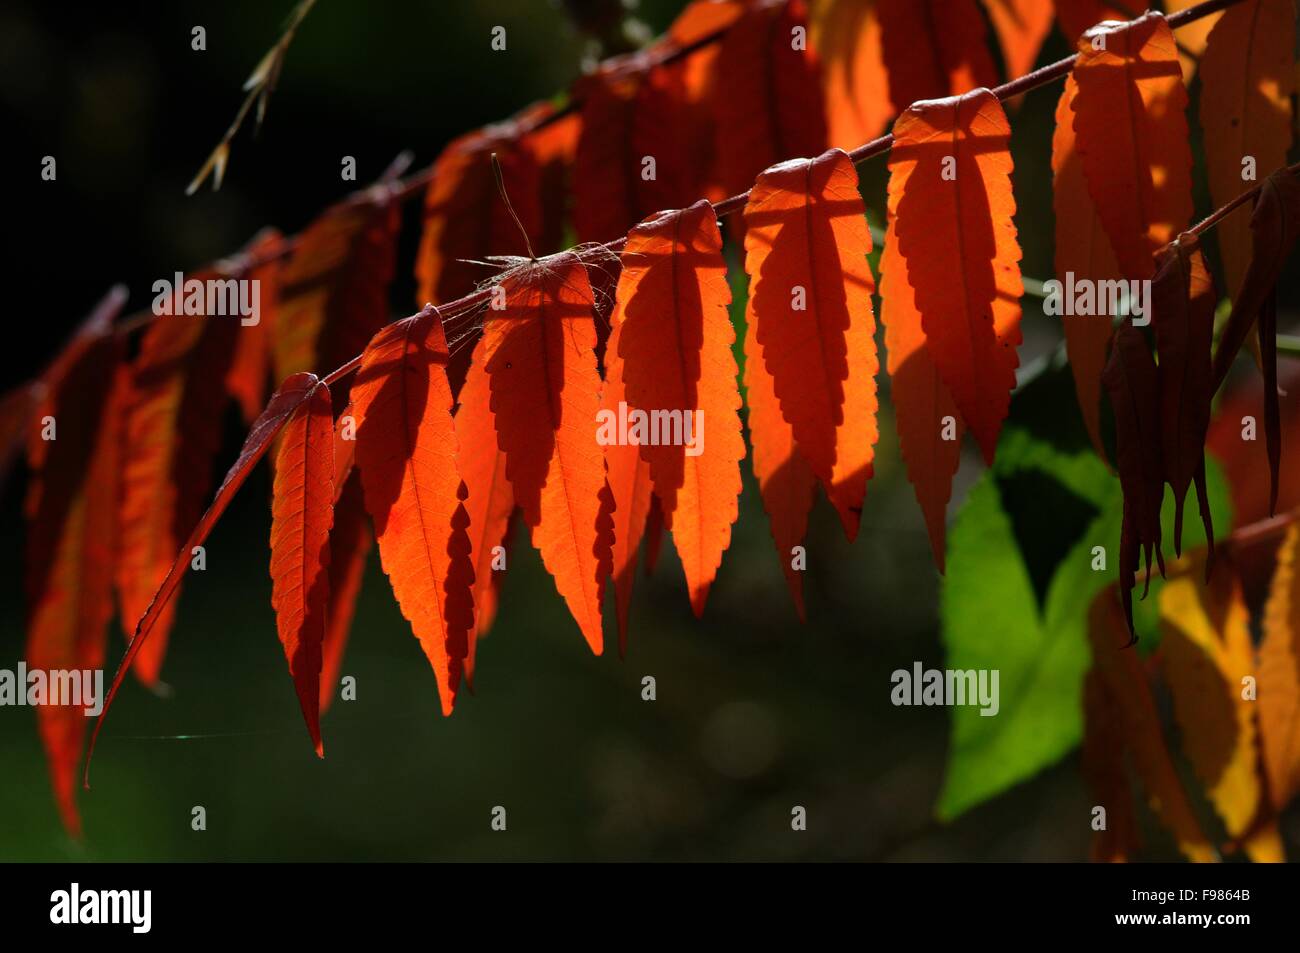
{"x":992,"y":620}
{"x":1019,"y":583}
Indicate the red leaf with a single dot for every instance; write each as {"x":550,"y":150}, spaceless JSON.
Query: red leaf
{"x":553,"y":143}
{"x":1105,"y":769}
{"x":265,"y":429}
{"x":539,"y":353}
{"x":71,"y":536}
{"x":1132,"y":381}
{"x":1275,"y":227}
{"x":1131,"y":134}
{"x":350,"y":541}
{"x":675,"y":339}
{"x":465,"y":219}
{"x":250,"y":368}
{"x":951,"y":205}
{"x":606,"y":173}
{"x":406,"y":452}
{"x":646,"y":106}
{"x":1182,"y":314}
{"x":807,"y":242}
{"x":302,"y":514}
{"x":334,"y":290}
{"x":16,"y":409}
{"x":173,"y":433}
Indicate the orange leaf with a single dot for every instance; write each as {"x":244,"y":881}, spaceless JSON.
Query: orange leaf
{"x":951,"y":204}
{"x":675,"y":339}
{"x":464,"y":218}
{"x":923,"y":408}
{"x":785,"y":480}
{"x":772,"y":108}
{"x":71,"y":536}
{"x":933,"y":48}
{"x":406,"y":452}
{"x":334,"y":290}
{"x":491,"y":499}
{"x":1207,"y":650}
{"x":539,"y":353}
{"x":1247,"y":77}
{"x":807,"y":242}
{"x":173,"y":433}
{"x":1127,"y":689}
{"x":302,"y":515}
{"x":1131,"y":134}
{"x":855,"y":86}
{"x":629,"y":487}
{"x":1083,"y":251}
{"x":1279,"y":677}
{"x":1021,"y":26}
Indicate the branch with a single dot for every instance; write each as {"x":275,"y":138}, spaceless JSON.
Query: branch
{"x":586,"y":253}
{"x":415,"y":184}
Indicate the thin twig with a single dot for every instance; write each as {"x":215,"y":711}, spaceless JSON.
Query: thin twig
{"x":1219,"y":214}
{"x":260,"y":85}
{"x":1261,"y":531}
{"x":1288,"y":345}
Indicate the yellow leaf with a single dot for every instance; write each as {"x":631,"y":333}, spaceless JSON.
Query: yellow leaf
{"x":1279,"y":677}
{"x":1207,"y":653}
{"x":1121,"y":671}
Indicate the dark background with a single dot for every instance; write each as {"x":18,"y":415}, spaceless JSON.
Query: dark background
{"x":755,"y":713}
